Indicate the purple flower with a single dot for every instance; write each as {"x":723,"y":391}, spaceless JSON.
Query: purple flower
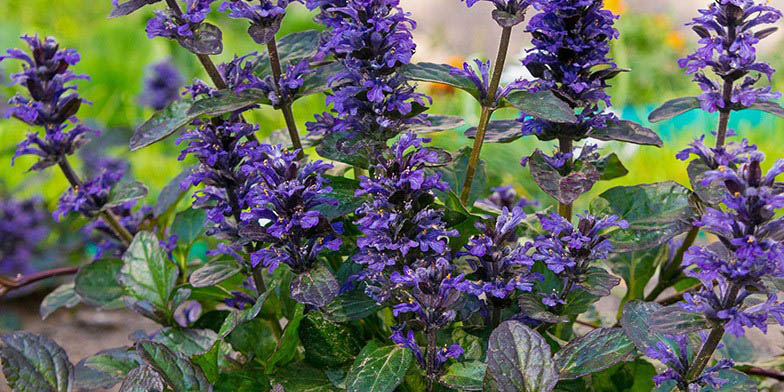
{"x":729,"y":32}
{"x":482,"y":82}
{"x":715,"y":157}
{"x":23,"y":225}
{"x":264,"y":17}
{"x":239,"y":300}
{"x":163,"y":86}
{"x":675,"y":354}
{"x":571,"y":38}
{"x":239,"y":74}
{"x":52,"y":102}
{"x":90,"y":198}
{"x":505,"y":197}
{"x":371,"y":98}
{"x":168,"y":24}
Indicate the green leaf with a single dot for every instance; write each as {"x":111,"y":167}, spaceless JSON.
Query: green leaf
{"x":142,"y":379}
{"x":227,"y":101}
{"x":465,"y":376}
{"x":147,"y":273}
{"x":96,"y":283}
{"x":291,"y":49}
{"x":655,"y":213}
{"x":455,"y":172}
{"x":543,"y":105}
{"x":610,"y":167}
{"x":188,"y":225}
{"x":207,"y":39}
{"x":343,"y":192}
{"x":519,"y":360}
{"x":594,"y":352}
{"x":378,"y":369}
{"x":438,"y":123}
{"x":317,"y":82}
{"x":125,"y":192}
{"x":254,"y":337}
{"x":499,"y":131}
{"x":711,"y":194}
{"x":674,"y":108}
{"x":768,"y":107}
{"x":316,"y":287}
{"x":440,"y":73}
{"x":242,"y":381}
{"x":235,"y":318}
{"x":208,"y":362}
{"x":63,"y":296}
{"x":674,"y":320}
{"x":214,"y":272}
{"x":33,"y":363}
{"x":565,"y":189}
{"x":353,"y":305}
{"x":636,"y":322}
{"x":179,"y":372}
{"x":340,"y":147}
{"x":172,"y":193}
{"x":637,"y":269}
{"x":105,"y":369}
{"x":627,"y":131}
{"x":634,"y":376}
{"x":598,"y":282}
{"x":162,"y":124}
{"x":739,"y":349}
{"x":187,"y":341}
{"x":300,"y":377}
{"x":327,"y":344}
{"x":287,"y":347}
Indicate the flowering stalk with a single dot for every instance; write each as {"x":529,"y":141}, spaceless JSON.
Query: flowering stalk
{"x":285,"y":108}
{"x":566,"y":147}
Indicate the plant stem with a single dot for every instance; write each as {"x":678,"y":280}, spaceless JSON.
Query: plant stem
{"x":487,"y":111}
{"x":706,"y":352}
{"x":122,"y":233}
{"x":565,"y":145}
{"x":755,"y":371}
{"x":288,"y":115}
{"x":8,"y":284}
{"x":672,"y":271}
{"x":430,"y":359}
{"x":236,"y":211}
{"x":495,"y":317}
{"x":724,"y":114}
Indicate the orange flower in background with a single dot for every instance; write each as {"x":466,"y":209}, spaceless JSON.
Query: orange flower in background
{"x":676,"y":41}
{"x":617,"y":7}
{"x":437,"y":88}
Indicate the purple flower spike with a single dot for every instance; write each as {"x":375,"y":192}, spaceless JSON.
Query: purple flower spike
{"x":23,"y":225}
{"x":264,"y":17}
{"x":163,"y":86}
{"x":169,"y":25}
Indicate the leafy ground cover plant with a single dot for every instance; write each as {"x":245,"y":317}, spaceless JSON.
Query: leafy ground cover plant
{"x":386,"y":264}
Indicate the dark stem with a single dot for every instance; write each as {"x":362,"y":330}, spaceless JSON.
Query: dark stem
{"x":724,"y":113}
{"x":565,"y":145}
{"x":672,"y":271}
{"x":487,"y":111}
{"x":495,"y":317}
{"x":288,"y":115}
{"x":706,"y":352}
{"x":8,"y":284}
{"x":122,"y":233}
{"x":430,"y":359}
{"x":755,"y":371}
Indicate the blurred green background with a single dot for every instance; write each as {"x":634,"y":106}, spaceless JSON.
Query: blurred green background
{"x":116,"y":54}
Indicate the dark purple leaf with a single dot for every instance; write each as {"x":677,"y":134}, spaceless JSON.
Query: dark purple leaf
{"x":162,"y":124}
{"x":227,"y":101}
{"x":711,"y":194}
{"x":501,"y":131}
{"x":129,"y":7}
{"x":543,"y":105}
{"x":440,"y":73}
{"x":610,"y":167}
{"x":207,"y":39}
{"x":263,"y":33}
{"x":598,"y":282}
{"x":674,"y":108}
{"x":438,"y":123}
{"x":506,"y":19}
{"x":565,"y":189}
{"x":674,"y":320}
{"x":768,"y":107}
{"x":594,"y":352}
{"x":519,"y":359}
{"x":317,"y":287}
{"x":627,"y":131}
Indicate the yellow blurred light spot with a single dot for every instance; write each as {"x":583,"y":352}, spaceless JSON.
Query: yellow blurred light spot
{"x":675,"y":40}
{"x":617,"y":7}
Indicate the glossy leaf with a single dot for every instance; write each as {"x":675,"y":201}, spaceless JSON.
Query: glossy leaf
{"x":768,"y":107}
{"x":610,"y":167}
{"x":632,"y":376}
{"x":318,"y":82}
{"x":175,"y":368}
{"x":499,"y":131}
{"x":637,"y":269}
{"x":327,"y":344}
{"x":674,"y":320}
{"x":291,"y":49}
{"x":147,"y":273}
{"x":565,"y":189}
{"x":532,"y":306}
{"x":105,"y":369}
{"x":455,"y":172}
{"x":125,"y":192}
{"x":172,"y":193}
{"x":340,"y":147}
{"x":162,"y":124}
{"x":188,"y":225}
{"x":711,"y":194}
{"x":235,"y":318}
{"x":598,"y":282}
{"x":594,"y":352}
{"x":343,"y":192}
{"x":519,"y":359}
{"x":353,"y":305}
{"x":187,"y":341}
{"x":62,"y":297}
{"x":207,"y":39}
{"x":129,"y":7}
{"x":214,"y":272}
{"x":438,"y":123}
{"x":465,"y":376}
{"x":440,"y":73}
{"x":227,"y":101}
{"x":33,"y":363}
{"x":674,"y":108}
{"x":142,"y":379}
{"x":636,"y":322}
{"x":301,"y":377}
{"x":316,"y":287}
{"x":287,"y":347}
{"x":543,"y":105}
{"x":378,"y":369}
{"x":655,"y":213}
{"x":254,"y":337}
{"x":96,"y":283}
{"x":242,"y":381}
{"x":627,"y":131}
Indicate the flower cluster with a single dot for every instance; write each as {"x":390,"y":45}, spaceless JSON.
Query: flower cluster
{"x":239,"y":75}
{"x":23,"y":225}
{"x":372,"y":98}
{"x":284,"y":211}
{"x":169,"y":24}
{"x":571,"y":38}
{"x":51,"y":103}
{"x":500,"y":262}
{"x":729,"y":30}
{"x":400,"y":226}
{"x":482,"y":81}
{"x":713,"y":158}
{"x":504,"y":197}
{"x":163,"y":86}
{"x":677,"y":361}
{"x":90,"y":198}
{"x":749,"y":249}
{"x":264,"y":17}
{"x":430,"y":294}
